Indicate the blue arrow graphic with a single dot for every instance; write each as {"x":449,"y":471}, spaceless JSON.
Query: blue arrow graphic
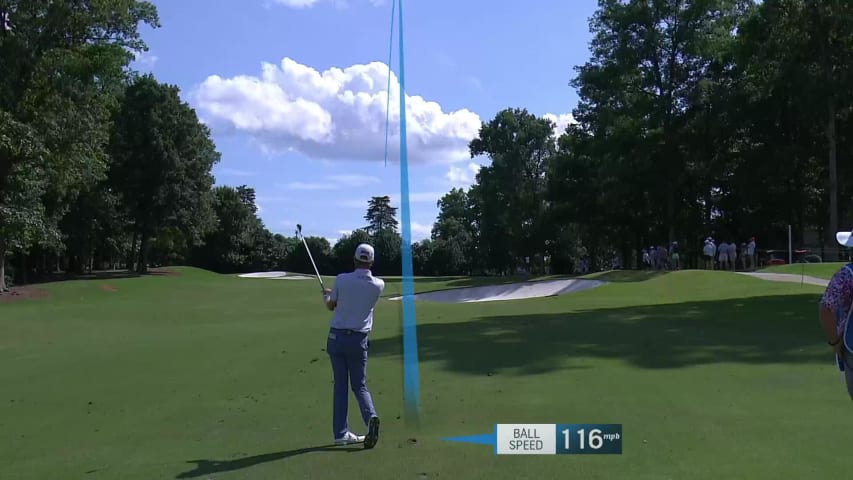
{"x":484,"y":439}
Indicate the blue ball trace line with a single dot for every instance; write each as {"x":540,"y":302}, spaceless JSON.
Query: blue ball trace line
{"x":483,"y":439}
{"x":388,"y":88}
{"x":411,"y":375}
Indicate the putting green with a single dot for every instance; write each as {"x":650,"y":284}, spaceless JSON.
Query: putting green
{"x":713,"y":375}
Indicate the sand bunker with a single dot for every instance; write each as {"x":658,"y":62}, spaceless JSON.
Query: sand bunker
{"x":511,"y":291}
{"x":275,"y":276}
{"x":788,"y":277}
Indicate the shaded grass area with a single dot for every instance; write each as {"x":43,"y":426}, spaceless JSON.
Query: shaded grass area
{"x":625,"y":275}
{"x":657,"y":337}
{"x":204,"y":468}
{"x":208,"y":376}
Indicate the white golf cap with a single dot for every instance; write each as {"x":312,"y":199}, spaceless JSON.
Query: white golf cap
{"x":364,"y":253}
{"x":845,"y":239}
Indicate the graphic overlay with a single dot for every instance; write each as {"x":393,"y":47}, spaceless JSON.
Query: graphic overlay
{"x":388,"y":88}
{"x":589,"y":438}
{"x":526,"y":439}
{"x":550,"y":439}
{"x":411,"y":375}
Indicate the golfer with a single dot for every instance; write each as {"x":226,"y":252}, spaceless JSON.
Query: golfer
{"x":352,"y":298}
{"x":836,"y":307}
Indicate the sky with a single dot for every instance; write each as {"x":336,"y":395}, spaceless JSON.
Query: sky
{"x":295,"y":92}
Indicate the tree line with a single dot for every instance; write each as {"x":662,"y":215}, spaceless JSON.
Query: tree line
{"x":104,"y":168}
{"x":725,"y":118}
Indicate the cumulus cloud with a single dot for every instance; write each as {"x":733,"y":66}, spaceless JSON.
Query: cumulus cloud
{"x":414,"y":197}
{"x":303,"y":4}
{"x":353,"y":180}
{"x":234,"y":172}
{"x":337,"y":114}
{"x":562,"y":121}
{"x":297,"y":3}
{"x":420,"y":231}
{"x":463,"y":176}
{"x":332,"y":182}
{"x":145,"y":59}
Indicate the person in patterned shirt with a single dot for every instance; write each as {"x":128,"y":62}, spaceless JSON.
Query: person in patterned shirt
{"x":836,"y":307}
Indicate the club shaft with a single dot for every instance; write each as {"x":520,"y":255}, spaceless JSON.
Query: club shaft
{"x":311,"y":257}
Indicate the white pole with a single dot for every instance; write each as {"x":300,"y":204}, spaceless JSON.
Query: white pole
{"x":790,"y":248}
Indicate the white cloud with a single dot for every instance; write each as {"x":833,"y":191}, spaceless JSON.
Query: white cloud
{"x":414,"y":197}
{"x":352,"y":204}
{"x":463,"y":176}
{"x":233,"y":172}
{"x":420,"y":231}
{"x":337,"y":114}
{"x":307,"y":186}
{"x":145,"y":59}
{"x":302,"y":4}
{"x":273,"y":199}
{"x":418,"y":197}
{"x":562,"y":121}
{"x":353,"y":180}
{"x":332,"y":182}
{"x":297,"y":3}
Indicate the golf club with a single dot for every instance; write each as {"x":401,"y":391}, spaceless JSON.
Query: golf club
{"x":319,"y":278}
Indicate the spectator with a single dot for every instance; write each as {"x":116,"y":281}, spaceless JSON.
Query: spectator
{"x":647,"y":259}
{"x":750,"y":253}
{"x":743,"y":255}
{"x":663,"y":255}
{"x":653,"y":253}
{"x":733,"y":256}
{"x":709,"y":250}
{"x":836,"y":308}
{"x":674,"y":257}
{"x":723,"y":255}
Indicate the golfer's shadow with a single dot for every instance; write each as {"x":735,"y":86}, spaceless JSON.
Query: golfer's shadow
{"x":207,"y":467}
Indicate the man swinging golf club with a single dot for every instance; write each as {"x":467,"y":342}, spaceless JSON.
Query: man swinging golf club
{"x":836,"y":308}
{"x":352,"y":298}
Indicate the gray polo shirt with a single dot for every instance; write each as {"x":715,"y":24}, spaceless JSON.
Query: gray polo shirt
{"x":356,"y":293}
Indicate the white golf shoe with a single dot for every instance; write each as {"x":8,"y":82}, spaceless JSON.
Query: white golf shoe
{"x":349,"y":439}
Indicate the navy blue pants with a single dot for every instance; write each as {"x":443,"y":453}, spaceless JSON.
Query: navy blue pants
{"x":348,"y":352}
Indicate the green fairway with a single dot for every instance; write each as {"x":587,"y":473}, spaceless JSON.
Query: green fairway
{"x":819,"y":270}
{"x":713,"y":375}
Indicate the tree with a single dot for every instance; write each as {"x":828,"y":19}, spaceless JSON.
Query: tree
{"x":93,"y":224}
{"x":282,"y":248}
{"x":247,"y":196}
{"x":387,"y":244}
{"x":300,"y":262}
{"x":231,"y":245}
{"x":453,"y":233}
{"x":163,"y":160}
{"x":344,"y":249}
{"x":511,"y":191}
{"x":380,"y":215}
{"x":648,"y":59}
{"x":60,"y":64}
{"x":421,"y":255}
